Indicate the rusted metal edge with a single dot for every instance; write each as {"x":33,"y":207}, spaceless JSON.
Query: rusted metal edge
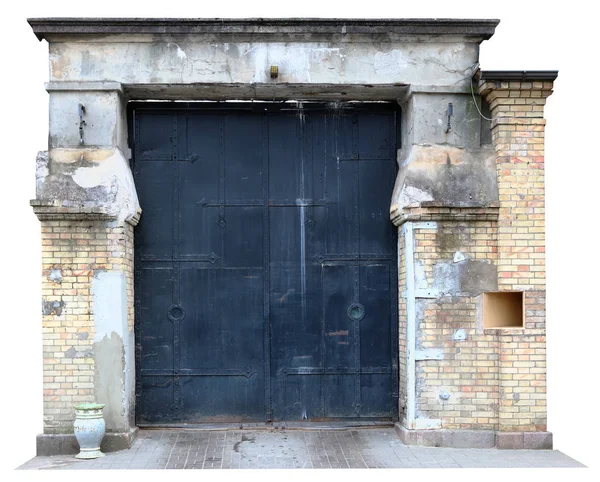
{"x":481,"y":29}
{"x":331,"y":424}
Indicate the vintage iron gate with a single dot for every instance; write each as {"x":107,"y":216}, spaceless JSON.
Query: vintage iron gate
{"x":266,"y":283}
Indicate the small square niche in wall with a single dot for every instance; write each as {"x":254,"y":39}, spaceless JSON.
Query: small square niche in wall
{"x":503,"y":309}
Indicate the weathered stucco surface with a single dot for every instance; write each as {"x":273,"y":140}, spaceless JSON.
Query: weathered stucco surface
{"x":173,"y":60}
{"x":87,"y":178}
{"x":423,"y":73}
{"x":447,"y":175}
{"x":114,"y":374}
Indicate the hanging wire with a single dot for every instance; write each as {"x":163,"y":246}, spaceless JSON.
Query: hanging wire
{"x":473,"y":69}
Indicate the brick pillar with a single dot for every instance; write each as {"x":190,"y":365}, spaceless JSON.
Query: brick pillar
{"x":517,"y":109}
{"x":87,"y":205}
{"x":87,"y":338}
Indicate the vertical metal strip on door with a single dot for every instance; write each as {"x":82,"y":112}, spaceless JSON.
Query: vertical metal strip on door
{"x":266,"y":267}
{"x":356,"y":269}
{"x":175,"y":310}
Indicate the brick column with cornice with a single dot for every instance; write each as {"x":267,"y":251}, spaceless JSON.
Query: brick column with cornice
{"x":517,"y":102}
{"x":87,"y":206}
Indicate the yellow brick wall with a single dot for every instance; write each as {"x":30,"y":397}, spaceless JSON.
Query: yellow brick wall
{"x":518,"y":137}
{"x":496,"y":378}
{"x":522,"y":374}
{"x":72,"y":252}
{"x":469,"y":369}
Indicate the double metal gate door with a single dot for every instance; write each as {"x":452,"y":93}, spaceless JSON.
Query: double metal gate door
{"x":266,"y":284}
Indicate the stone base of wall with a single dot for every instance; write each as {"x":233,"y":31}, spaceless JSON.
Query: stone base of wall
{"x":524,"y":440}
{"x":475,"y":439}
{"x":66,"y":444}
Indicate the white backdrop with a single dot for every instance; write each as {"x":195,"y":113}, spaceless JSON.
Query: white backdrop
{"x":531,"y":35}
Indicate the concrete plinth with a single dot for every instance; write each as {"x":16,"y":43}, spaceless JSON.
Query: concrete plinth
{"x":66,"y":444}
{"x":475,"y":438}
{"x":524,"y":440}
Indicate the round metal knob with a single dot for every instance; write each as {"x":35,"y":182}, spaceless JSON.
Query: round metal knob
{"x":176,"y":313}
{"x":356,"y":311}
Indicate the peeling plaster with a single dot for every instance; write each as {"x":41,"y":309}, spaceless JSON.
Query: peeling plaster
{"x":55,"y":276}
{"x":113,"y":349}
{"x":420,"y":276}
{"x":470,"y":277}
{"x":459,"y":335}
{"x":109,"y":383}
{"x":445,"y":174}
{"x":41,"y":169}
{"x":413,"y":196}
{"x":180,"y":53}
{"x":392,"y":63}
{"x":99,"y":178}
{"x":52,"y":307}
{"x":458,"y":257}
{"x":73,"y":352}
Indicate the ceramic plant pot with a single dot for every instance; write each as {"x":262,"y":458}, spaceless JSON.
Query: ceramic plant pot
{"x":89,"y":429}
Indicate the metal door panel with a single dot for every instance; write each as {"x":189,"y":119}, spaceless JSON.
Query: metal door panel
{"x":265,"y":262}
{"x":243,"y":153}
{"x":376,"y":233}
{"x":155,"y":298}
{"x":223,"y":322}
{"x":374,"y":295}
{"x":375,"y":137}
{"x":155,"y":176}
{"x":288,"y":176}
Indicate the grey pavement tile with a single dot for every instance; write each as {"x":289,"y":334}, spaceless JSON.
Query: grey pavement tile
{"x":248,"y":449}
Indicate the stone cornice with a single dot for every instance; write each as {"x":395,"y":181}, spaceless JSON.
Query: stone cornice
{"x":495,"y":84}
{"x":432,"y":211}
{"x":70,"y":86}
{"x":49,"y":211}
{"x":287,"y":28}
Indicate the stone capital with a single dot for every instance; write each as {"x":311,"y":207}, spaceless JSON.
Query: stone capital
{"x":516,"y":93}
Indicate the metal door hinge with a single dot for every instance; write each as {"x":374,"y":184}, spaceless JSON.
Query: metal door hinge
{"x":81,"y":109}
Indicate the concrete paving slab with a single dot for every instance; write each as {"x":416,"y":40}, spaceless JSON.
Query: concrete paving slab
{"x":251,"y":449}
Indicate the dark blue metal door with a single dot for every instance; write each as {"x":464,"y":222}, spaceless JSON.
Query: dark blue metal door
{"x":266,"y":285}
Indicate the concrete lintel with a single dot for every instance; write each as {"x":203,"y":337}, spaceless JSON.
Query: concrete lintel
{"x":437,"y":89}
{"x":93,"y":86}
{"x":66,"y":444}
{"x":265,"y":92}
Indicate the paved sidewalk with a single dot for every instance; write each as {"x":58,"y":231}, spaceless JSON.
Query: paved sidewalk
{"x":254,"y":449}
